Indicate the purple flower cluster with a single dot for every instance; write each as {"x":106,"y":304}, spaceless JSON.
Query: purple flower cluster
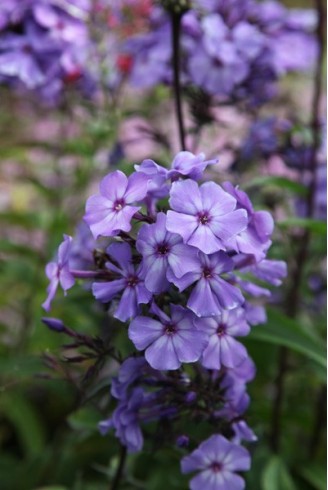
{"x":44,"y":45}
{"x":181,"y":278}
{"x":231,"y":49}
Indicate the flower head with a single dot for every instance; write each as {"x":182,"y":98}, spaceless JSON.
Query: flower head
{"x":205,"y":216}
{"x":217,"y":461}
{"x":163,"y":251}
{"x":222,"y":348}
{"x":169,"y":341}
{"x":131,"y":283}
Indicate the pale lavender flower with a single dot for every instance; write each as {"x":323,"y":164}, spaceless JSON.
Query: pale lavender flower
{"x":58,"y":272}
{"x":169,"y":341}
{"x":217,"y":460}
{"x":255,"y":239}
{"x":163,"y":251}
{"x":131,"y":283}
{"x":205,"y":216}
{"x":212,"y":294}
{"x":111,"y":211}
{"x":187,"y":164}
{"x":222,"y":348}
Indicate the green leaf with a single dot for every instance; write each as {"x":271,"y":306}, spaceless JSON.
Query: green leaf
{"x":315,"y":475}
{"x":276,"y":476}
{"x":85,"y":418}
{"x":284,"y":331}
{"x":314,"y":225}
{"x":280,"y":182}
{"x":26,"y":421}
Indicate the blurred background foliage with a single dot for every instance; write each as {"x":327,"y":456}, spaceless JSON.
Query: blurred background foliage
{"x":49,"y":411}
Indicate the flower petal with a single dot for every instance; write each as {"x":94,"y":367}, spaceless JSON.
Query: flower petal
{"x":143,"y":331}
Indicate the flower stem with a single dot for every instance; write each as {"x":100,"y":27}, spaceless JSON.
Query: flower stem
{"x":176,"y":30}
{"x":119,"y":472}
{"x":293,"y":295}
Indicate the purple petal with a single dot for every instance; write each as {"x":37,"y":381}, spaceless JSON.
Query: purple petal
{"x":143,"y":331}
{"x":162,"y":355}
{"x":66,"y":279}
{"x":105,"y":291}
{"x":202,"y":301}
{"x":52,"y":270}
{"x":237,"y":459}
{"x":182,"y":282}
{"x":137,"y":187}
{"x":232,"y":351}
{"x":143,"y":295}
{"x":204,"y":239}
{"x":51,"y":290}
{"x":229,"y":296}
{"x":121,"y":253}
{"x":155,"y":280}
{"x":113,"y":186}
{"x":189,"y":344}
{"x":185,"y":197}
{"x":64,"y":250}
{"x":211,"y":358}
{"x":183,"y":259}
{"x":183,"y":224}
{"x":197,"y":460}
{"x":229,"y":225}
{"x":128,"y":306}
{"x":216,"y":200}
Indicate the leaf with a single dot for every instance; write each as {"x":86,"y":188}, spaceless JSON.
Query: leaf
{"x":276,"y":476}
{"x":26,"y":421}
{"x":85,"y":418}
{"x":284,"y":331}
{"x":314,"y":225}
{"x":315,"y":475}
{"x":281,"y":182}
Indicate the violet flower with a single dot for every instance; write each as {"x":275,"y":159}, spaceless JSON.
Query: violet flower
{"x":131,"y":283}
{"x":222,"y":348}
{"x":111,"y":211}
{"x":163,"y":251}
{"x":205,"y":216}
{"x":217,"y":460}
{"x":212,"y":294}
{"x":58,"y":272}
{"x":168,"y":341}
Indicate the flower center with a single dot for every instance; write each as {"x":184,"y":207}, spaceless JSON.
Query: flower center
{"x":221,"y":330}
{"x":170,"y":329}
{"x":203,"y":218}
{"x":132,"y":281}
{"x":118,"y":205}
{"x":162,"y":249}
{"x":216,"y":467}
{"x":207,"y":273}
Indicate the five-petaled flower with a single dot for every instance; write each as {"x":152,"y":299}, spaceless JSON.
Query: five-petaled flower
{"x":205,"y":216}
{"x":111,"y":211}
{"x":217,"y":461}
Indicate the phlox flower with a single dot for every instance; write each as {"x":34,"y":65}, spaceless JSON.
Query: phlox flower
{"x":58,"y":272}
{"x":217,"y":461}
{"x":110,"y":211}
{"x":205,"y":216}
{"x":131,"y":283}
{"x":168,"y":341}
